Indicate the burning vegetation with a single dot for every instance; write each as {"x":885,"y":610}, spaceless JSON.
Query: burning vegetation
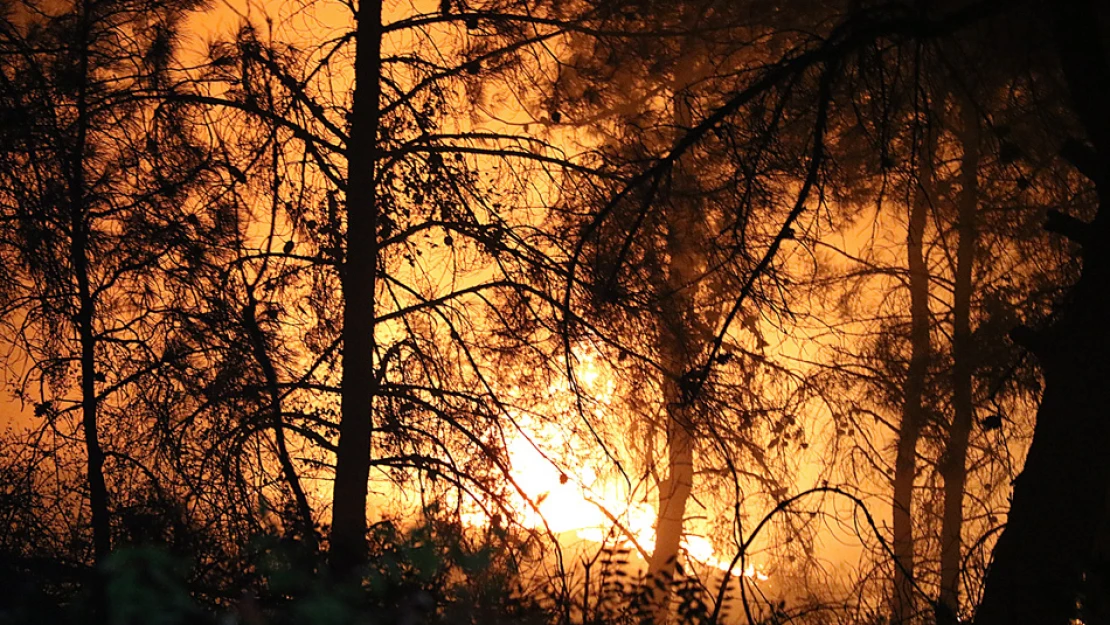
{"x":545,"y":311}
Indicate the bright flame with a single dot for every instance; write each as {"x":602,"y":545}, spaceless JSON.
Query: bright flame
{"x":580,"y":501}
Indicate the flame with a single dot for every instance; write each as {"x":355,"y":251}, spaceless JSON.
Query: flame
{"x":581,"y":502}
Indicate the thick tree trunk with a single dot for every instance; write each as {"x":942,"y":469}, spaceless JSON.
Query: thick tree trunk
{"x":674,"y":493}
{"x":954,"y":467}
{"x":347,"y":549}
{"x":679,"y":345}
{"x":1060,"y":497}
{"x":913,"y":408}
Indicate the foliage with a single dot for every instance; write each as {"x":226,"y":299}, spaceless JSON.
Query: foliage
{"x":323,"y":275}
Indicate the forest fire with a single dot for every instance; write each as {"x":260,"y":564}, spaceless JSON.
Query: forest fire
{"x":594,"y":510}
{"x":533,"y":311}
{"x":565,"y":495}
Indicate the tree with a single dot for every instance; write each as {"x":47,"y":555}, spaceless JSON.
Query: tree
{"x":669,"y":251}
{"x":845,"y":41}
{"x":954,"y":467}
{"x":1035,"y":576}
{"x":914,"y":414}
{"x":1059,"y":498}
{"x":97,"y":183}
{"x":380,"y":200}
{"x":322,"y":257}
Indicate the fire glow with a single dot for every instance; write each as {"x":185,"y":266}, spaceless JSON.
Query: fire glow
{"x":592,"y":507}
{"x":584,"y":503}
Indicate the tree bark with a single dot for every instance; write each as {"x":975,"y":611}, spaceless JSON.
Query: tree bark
{"x":679,"y":345}
{"x":674,"y":493}
{"x":358,"y":275}
{"x":1060,"y":497}
{"x":913,"y":408}
{"x":954,"y":467}
{"x":1061,"y":493}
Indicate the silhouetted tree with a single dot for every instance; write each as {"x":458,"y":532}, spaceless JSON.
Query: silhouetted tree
{"x":97,"y":183}
{"x":1059,"y":498}
{"x":685,"y":253}
{"x":411,"y":263}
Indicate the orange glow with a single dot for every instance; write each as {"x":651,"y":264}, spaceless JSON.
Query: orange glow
{"x":583,"y":504}
{"x":566,"y":494}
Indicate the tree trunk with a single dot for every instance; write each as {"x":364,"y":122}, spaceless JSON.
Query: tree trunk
{"x":679,"y":346}
{"x":1061,"y":493}
{"x":86,"y":311}
{"x":675,"y":349}
{"x":674,"y":493}
{"x":84,"y":320}
{"x":1060,"y":497}
{"x":358,"y":274}
{"x":954,"y":467}
{"x":913,"y":408}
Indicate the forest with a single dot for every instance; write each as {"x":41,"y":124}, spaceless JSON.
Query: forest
{"x":575,"y":312}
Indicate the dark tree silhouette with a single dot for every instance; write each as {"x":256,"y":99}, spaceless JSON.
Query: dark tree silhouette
{"x":97,"y":184}
{"x":1059,"y":498}
{"x":414,"y":262}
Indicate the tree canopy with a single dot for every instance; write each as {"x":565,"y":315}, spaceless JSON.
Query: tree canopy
{"x":577,"y":312}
